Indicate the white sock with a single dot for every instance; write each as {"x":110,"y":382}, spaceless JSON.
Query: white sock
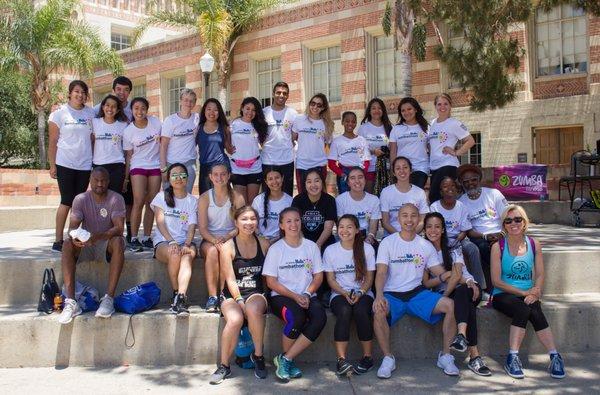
{"x":144,"y":238}
{"x":516,"y":352}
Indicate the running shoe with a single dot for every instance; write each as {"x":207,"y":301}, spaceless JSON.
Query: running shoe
{"x":478,"y":366}
{"x":57,"y":246}
{"x":106,"y":308}
{"x":557,"y":366}
{"x":260,"y":370}
{"x":173,"y":306}
{"x":148,"y":243}
{"x":343,"y":367}
{"x":282,"y":367}
{"x":364,"y":365}
{"x":446,"y":363}
{"x":212,"y":304}
{"x":295,"y":372}
{"x":70,"y":310}
{"x":388,"y":365}
{"x":182,"y":306}
{"x":136,"y":246}
{"x":513,"y":366}
{"x":459,"y":343}
{"x":220,"y":374}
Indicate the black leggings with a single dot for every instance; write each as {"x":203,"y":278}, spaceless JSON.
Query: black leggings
{"x":116,"y":176}
{"x":418,"y":178}
{"x":520,"y":312}
{"x":71,"y":183}
{"x":465,"y":310}
{"x":345,"y":312}
{"x":309,"y":322}
{"x":436,"y":179}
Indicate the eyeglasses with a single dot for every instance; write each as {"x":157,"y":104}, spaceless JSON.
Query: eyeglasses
{"x":472,"y":179}
{"x":517,"y":220}
{"x":316,"y":104}
{"x":179,"y":176}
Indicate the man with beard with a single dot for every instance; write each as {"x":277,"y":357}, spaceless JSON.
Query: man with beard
{"x":101,"y":213}
{"x":484,"y":207}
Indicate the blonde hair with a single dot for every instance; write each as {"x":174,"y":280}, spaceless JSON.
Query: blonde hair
{"x":325,"y":115}
{"x":521,"y":211}
{"x":442,"y":95}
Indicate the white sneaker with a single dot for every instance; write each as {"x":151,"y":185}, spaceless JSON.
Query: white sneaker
{"x":106,"y":308}
{"x":388,"y":365}
{"x":70,"y":311}
{"x":446,"y":362}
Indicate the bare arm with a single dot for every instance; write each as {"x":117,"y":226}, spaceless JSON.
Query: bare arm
{"x":164,"y":146}
{"x":385,"y":222}
{"x":393,"y":151}
{"x":128,"y":155}
{"x":159,"y":214}
{"x":226,"y":264}
{"x":327,"y":230}
{"x":53,"y":133}
{"x":203,"y":219}
{"x":467,"y":143}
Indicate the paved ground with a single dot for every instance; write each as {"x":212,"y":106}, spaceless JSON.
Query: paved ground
{"x":413,"y":377}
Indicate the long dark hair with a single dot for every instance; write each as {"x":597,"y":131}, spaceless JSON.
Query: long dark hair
{"x":120,"y":115}
{"x":268,"y":193}
{"x":317,"y":171}
{"x":169,"y":198}
{"x":418,"y":113}
{"x":385,"y":119}
{"x":283,"y":213}
{"x":221,"y":120}
{"x":358,"y":248}
{"x":259,"y":122}
{"x":446,"y":257}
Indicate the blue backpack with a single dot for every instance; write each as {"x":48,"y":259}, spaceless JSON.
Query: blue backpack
{"x":244,"y":348}
{"x":139,"y":298}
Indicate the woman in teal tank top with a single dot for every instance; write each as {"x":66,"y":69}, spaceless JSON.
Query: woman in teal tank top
{"x":517,"y":268}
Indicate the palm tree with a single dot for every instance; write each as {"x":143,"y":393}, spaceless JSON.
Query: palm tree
{"x":218,"y":23}
{"x":42,"y":42}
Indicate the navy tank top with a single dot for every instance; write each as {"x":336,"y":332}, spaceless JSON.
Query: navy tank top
{"x":211,"y":147}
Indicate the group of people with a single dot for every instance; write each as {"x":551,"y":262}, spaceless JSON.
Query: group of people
{"x":271,"y":251}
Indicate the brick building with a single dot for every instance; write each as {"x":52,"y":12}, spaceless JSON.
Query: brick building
{"x":337,"y":47}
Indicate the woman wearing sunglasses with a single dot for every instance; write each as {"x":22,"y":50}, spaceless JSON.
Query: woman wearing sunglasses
{"x":175,"y":212}
{"x":518,"y":278}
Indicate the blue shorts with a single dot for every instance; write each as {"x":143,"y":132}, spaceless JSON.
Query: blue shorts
{"x":421,"y":305}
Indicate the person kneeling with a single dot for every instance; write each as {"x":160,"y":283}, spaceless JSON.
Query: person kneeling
{"x":350,"y":268}
{"x":293,"y":273}
{"x":401,"y":260}
{"x":243,"y":297}
{"x":101,"y":212}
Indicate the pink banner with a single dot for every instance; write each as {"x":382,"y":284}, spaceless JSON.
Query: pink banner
{"x":522,"y":181}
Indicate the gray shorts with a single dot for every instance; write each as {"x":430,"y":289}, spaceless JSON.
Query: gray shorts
{"x":97,"y":252}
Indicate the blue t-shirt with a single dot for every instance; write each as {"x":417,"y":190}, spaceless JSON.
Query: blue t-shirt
{"x":517,"y":271}
{"x":211,"y":147}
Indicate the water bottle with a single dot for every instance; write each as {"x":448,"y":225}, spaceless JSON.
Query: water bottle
{"x":58,"y":302}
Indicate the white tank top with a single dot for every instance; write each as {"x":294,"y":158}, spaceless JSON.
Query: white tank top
{"x":219,"y":220}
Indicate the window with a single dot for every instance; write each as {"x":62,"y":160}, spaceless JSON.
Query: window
{"x":474,"y":155}
{"x":561,"y":41}
{"x":456,"y":39}
{"x":326,"y":69}
{"x":119,"y":41}
{"x":139,"y":90}
{"x":268,"y":72}
{"x":388,"y":67}
{"x":174,"y":87}
{"x":214,"y":88}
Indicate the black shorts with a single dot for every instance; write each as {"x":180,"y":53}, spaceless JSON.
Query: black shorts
{"x":245,"y":179}
{"x":71,"y":183}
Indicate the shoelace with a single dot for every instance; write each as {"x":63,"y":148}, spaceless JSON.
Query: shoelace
{"x":515,"y":364}
{"x":477,"y":363}
{"x":556,"y":363}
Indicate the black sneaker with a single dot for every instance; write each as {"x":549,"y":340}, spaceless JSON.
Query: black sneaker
{"x":220,"y":374}
{"x":182,"y":306}
{"x":260,"y":370}
{"x":173,"y":306}
{"x":343,"y":367}
{"x":478,"y":366}
{"x":148,"y":243}
{"x":364,"y":365}
{"x":459,"y":343}
{"x":136,"y":246}
{"x":57,"y":246}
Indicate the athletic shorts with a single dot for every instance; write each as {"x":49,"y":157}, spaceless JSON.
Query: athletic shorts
{"x":145,"y":172}
{"x":97,"y":252}
{"x":421,"y":305}
{"x":71,"y":183}
{"x":245,"y":179}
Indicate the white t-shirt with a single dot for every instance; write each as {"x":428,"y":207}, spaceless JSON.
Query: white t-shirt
{"x":444,"y":134}
{"x":74,"y":148}
{"x":108,"y":141}
{"x":340,"y":261}
{"x":126,"y":110}
{"x":177,"y":219}
{"x":145,"y":144}
{"x":365,"y":210}
{"x":182,"y":135}
{"x":457,"y":257}
{"x":392,"y":200}
{"x":278,"y":148}
{"x":270,"y":231}
{"x":406,"y":261}
{"x":375,"y":136}
{"x":293,"y":266}
{"x":456,"y":219}
{"x":245,"y":139}
{"x":411,"y":141}
{"x":350,"y":152}
{"x":311,"y":142}
{"x":485,"y":212}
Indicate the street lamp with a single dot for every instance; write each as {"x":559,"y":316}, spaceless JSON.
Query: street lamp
{"x":207,"y":63}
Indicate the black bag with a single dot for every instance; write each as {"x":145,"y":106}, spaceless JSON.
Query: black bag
{"x":49,"y":290}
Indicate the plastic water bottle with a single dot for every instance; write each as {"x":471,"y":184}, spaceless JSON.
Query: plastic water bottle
{"x":58,"y":302}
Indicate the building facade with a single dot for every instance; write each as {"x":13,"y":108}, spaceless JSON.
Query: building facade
{"x":338,"y":47}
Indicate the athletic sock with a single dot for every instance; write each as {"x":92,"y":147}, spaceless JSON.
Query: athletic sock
{"x":552,"y":352}
{"x":133,"y":238}
{"x":144,"y":238}
{"x":286,"y":358}
{"x":513,"y":352}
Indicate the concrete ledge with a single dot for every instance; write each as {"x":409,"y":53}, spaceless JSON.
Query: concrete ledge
{"x":14,"y":219}
{"x":163,"y":339}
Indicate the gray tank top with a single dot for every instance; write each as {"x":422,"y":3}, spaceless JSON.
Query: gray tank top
{"x":219,"y":220}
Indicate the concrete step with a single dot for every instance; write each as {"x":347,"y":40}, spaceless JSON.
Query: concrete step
{"x":557,"y":212}
{"x":163,"y":339}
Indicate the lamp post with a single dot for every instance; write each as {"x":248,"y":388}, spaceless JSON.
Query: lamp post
{"x":207,"y":63}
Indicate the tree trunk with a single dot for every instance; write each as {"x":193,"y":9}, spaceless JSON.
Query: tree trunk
{"x":41,"y":123}
{"x":405,"y":74}
{"x":405,"y":23}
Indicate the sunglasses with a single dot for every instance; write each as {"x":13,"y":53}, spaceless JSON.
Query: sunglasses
{"x":472,"y":179}
{"x":179,"y":176}
{"x":517,"y":220}
{"x":315,"y":104}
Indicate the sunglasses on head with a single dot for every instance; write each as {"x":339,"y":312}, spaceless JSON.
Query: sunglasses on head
{"x":517,"y":220}
{"x":179,"y":176}
{"x":315,"y":104}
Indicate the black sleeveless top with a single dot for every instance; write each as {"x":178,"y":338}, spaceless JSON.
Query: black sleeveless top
{"x":247,"y":271}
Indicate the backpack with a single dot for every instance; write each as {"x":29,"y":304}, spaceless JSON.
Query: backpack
{"x":244,"y":348}
{"x":502,"y":242}
{"x":48,"y":292}
{"x":87,"y":297}
{"x":139,"y":298}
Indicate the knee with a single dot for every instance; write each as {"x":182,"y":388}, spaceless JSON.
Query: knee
{"x":344,"y":313}
{"x":380,"y":316}
{"x":254,"y":311}
{"x":446,"y":305}
{"x":117,"y":245}
{"x":236,"y":321}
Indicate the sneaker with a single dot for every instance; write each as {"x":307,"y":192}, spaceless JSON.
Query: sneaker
{"x":106,"y":308}
{"x":478,"y":366}
{"x":220,"y":374}
{"x":212,"y":304}
{"x":459,"y":343}
{"x":513,"y":366}
{"x":148,"y":243}
{"x":173,"y":306}
{"x":343,"y":367}
{"x":182,"y":306}
{"x":282,"y":367}
{"x":295,"y":372}
{"x":70,"y":310}
{"x":57,"y":246}
{"x":557,"y":367}
{"x":260,"y":370}
{"x":136,"y":246}
{"x":364,"y":365}
{"x":388,"y":365}
{"x":446,"y":362}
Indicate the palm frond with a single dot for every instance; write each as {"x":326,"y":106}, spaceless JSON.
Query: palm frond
{"x":215,"y":30}
{"x":176,"y":19}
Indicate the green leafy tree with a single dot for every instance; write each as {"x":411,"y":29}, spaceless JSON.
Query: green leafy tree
{"x":219,"y":24}
{"x":44,"y":41}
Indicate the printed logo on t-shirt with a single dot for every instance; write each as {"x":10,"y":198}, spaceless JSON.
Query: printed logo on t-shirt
{"x":180,"y":215}
{"x":488,"y":212}
{"x":103,"y":212}
{"x":413,"y":134}
{"x":248,"y":276}
{"x":519,"y":271}
{"x":377,"y":139}
{"x":80,"y":121}
{"x":417,"y":260}
{"x":312,"y":130}
{"x":298,"y":264}
{"x":273,"y":216}
{"x":347,"y":268}
{"x":107,"y":136}
{"x":451,"y":225}
{"x":360,"y":215}
{"x":312,"y":219}
{"x":183,"y":133}
{"x":148,"y":140}
{"x":441,"y":136}
{"x":353,"y":150}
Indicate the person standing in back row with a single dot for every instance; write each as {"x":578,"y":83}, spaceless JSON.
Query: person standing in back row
{"x":278,"y":149}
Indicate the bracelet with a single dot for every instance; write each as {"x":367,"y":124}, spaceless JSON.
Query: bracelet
{"x":360,"y":291}
{"x":440,"y":277}
{"x":371,"y":234}
{"x":239,"y":299}
{"x":164,"y":169}
{"x":307,"y":294}
{"x":171,"y":242}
